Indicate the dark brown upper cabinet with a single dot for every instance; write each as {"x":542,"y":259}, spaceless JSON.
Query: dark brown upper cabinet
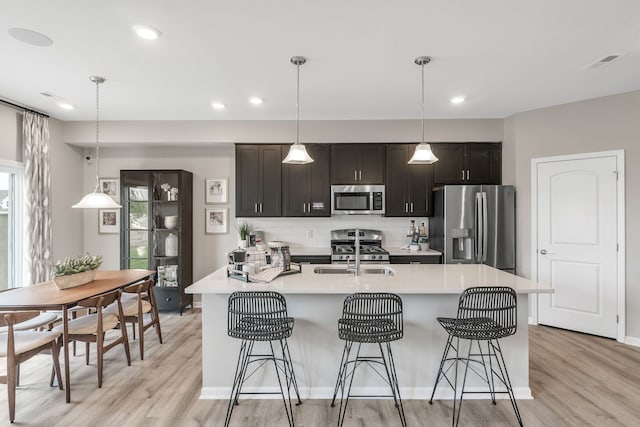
{"x":357,"y":163}
{"x":258,"y":180}
{"x":408,"y":187}
{"x":467,"y":163}
{"x":306,"y":188}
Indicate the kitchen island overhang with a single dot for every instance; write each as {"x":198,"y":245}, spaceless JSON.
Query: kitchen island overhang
{"x":315,"y":301}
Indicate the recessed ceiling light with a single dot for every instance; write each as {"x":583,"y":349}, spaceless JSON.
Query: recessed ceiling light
{"x":31,"y":37}
{"x":147,"y":33}
{"x":457,"y":100}
{"x":218,"y":105}
{"x":65,"y":105}
{"x":255,"y":100}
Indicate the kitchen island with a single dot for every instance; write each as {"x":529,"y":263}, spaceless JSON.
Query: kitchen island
{"x":315,"y":301}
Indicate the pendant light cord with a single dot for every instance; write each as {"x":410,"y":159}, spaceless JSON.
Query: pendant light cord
{"x":422,"y":66}
{"x":97,"y":136}
{"x":298,"y":104}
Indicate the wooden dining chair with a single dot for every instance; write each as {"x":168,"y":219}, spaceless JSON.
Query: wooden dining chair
{"x":18,"y":346}
{"x":139,"y":300}
{"x":92,"y":328}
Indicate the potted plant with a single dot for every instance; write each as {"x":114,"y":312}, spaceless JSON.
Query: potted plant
{"x":76,"y":271}
{"x":244,"y":229}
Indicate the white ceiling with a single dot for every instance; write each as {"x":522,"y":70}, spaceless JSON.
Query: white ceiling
{"x":505,"y":56}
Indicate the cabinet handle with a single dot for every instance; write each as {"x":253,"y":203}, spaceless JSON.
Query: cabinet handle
{"x":463,"y":174}
{"x":308,"y":207}
{"x":414,"y":262}
{"x":261,"y":207}
{"x":255,"y":208}
{"x":411,"y":207}
{"x":467,"y":174}
{"x":360,"y":177}
{"x":406,"y":207}
{"x":355,"y":175}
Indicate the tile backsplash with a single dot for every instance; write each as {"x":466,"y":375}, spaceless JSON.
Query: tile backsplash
{"x":315,"y":232}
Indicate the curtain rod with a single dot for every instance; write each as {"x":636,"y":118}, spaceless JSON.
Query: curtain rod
{"x":22,"y":107}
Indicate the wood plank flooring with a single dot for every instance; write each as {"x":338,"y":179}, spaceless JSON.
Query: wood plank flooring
{"x":576,"y":379}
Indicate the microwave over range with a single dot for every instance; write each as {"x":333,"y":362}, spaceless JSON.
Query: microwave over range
{"x":357,"y":199}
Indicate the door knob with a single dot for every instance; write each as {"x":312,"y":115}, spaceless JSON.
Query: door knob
{"x":545,"y":252}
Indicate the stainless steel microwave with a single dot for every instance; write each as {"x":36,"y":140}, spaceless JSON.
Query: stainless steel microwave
{"x":357,"y":199}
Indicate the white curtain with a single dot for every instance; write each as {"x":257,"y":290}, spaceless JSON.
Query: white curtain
{"x":37,"y":214}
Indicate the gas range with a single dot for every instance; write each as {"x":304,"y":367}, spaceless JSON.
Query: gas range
{"x":343,"y":246}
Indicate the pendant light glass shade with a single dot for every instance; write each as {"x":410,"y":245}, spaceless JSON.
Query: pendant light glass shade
{"x":423,"y":154}
{"x":297,"y":152}
{"x":97,"y":199}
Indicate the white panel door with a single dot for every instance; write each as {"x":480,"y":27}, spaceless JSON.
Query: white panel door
{"x":577,"y":253}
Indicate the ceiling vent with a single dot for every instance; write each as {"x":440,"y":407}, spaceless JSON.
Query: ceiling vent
{"x":604,"y":60}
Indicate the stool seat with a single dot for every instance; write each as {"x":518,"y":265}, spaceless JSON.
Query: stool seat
{"x":480,"y":328}
{"x":368,"y":331}
{"x":260,"y":329}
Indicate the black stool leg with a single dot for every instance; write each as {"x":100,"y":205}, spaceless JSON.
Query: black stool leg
{"x":238,"y":379}
{"x":343,"y":365}
{"x":345,"y":400}
{"x":292,"y":375}
{"x":440,"y":374}
{"x":390,"y":367}
{"x":507,"y":382}
{"x":286,"y":400}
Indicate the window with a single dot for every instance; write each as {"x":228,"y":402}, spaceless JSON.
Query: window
{"x":10,"y":224}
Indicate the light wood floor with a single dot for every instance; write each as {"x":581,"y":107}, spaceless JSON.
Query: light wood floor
{"x":577,"y":380}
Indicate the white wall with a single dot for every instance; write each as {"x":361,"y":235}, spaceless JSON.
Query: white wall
{"x":608,"y":123}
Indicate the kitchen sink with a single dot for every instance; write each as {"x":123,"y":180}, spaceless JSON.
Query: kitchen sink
{"x":363,"y":270}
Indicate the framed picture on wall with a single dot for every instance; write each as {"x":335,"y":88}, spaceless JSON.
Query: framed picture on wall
{"x":216,"y":220}
{"x":111,"y":187}
{"x":216,"y":190}
{"x":108,"y":221}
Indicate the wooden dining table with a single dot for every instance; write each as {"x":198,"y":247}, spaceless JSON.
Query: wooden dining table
{"x":47,"y":296}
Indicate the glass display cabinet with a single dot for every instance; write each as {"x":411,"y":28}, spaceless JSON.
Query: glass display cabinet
{"x":156,"y":231}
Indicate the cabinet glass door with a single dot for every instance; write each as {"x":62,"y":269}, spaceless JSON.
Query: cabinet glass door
{"x":166,"y":230}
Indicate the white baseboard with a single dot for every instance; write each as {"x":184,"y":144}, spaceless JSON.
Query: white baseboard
{"x":632,"y":341}
{"x":414,"y":393}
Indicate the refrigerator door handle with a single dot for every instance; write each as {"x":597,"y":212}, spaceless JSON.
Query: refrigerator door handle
{"x":478,"y":229}
{"x":484,"y":227}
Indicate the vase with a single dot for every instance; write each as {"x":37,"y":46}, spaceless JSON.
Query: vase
{"x":72,"y":280}
{"x":171,"y":245}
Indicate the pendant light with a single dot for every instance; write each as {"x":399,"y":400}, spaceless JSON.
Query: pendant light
{"x":297,"y":152}
{"x":423,"y":154}
{"x":97,"y":199}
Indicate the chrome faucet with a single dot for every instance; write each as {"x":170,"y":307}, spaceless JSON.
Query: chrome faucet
{"x":357,"y":243}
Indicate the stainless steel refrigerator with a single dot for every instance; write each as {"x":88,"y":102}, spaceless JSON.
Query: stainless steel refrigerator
{"x":475,"y":224}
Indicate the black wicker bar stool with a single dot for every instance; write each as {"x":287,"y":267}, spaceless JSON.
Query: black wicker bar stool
{"x":485,"y":314}
{"x":261,"y":316}
{"x":372,"y":318}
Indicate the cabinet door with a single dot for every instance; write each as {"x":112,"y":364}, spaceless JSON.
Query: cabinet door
{"x":248,"y":180}
{"x":270,"y":180}
{"x":420,"y":187}
{"x":450,"y":165}
{"x":371,"y":164}
{"x":319,"y":188}
{"x":396,"y":187}
{"x":345,"y":164}
{"x":295,"y":182}
{"x":484,"y":163}
{"x":137,"y":219}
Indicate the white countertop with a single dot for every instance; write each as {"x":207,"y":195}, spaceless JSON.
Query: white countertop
{"x":407,"y":279}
